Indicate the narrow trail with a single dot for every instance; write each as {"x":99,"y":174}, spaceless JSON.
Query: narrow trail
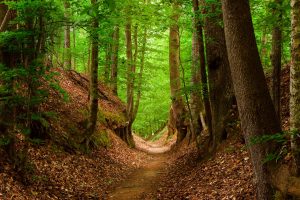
{"x":145,"y":179}
{"x":142,"y":181}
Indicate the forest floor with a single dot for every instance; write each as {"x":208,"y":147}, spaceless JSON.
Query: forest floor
{"x":181,"y":175}
{"x":145,"y":179}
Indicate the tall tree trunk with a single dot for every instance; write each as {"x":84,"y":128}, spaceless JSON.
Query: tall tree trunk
{"x":130,"y":82}
{"x":295,"y":82}
{"x":135,"y":39}
{"x":130,"y":70}
{"x":276,"y":56}
{"x":257,"y":113}
{"x":177,"y":110}
{"x":3,"y":12}
{"x":196,"y":100}
{"x":220,"y":83}
{"x":89,"y":58}
{"x":93,"y":104}
{"x":74,"y":47}
{"x":204,"y":81}
{"x":140,"y":80}
{"x":114,"y":60}
{"x":67,"y":44}
{"x":107,"y":67}
{"x":5,"y":17}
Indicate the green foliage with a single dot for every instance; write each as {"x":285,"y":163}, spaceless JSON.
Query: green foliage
{"x":24,"y":74}
{"x":17,"y":81}
{"x":280,"y":138}
{"x":114,"y":117}
{"x":4,"y":141}
{"x":263,"y":21}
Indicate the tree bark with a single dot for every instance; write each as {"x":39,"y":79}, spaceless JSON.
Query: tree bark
{"x":140,"y":81}
{"x":67,"y":44}
{"x":257,"y":113}
{"x":3,"y":12}
{"x":276,"y":56}
{"x":196,"y":100}
{"x":295,"y":83}
{"x":93,"y":103}
{"x":114,"y":60}
{"x":107,"y":67}
{"x":130,"y":82}
{"x":220,"y":83}
{"x":130,"y":70}
{"x":74,"y":47}
{"x":5,"y":17}
{"x":177,"y":110}
{"x":89,"y":58}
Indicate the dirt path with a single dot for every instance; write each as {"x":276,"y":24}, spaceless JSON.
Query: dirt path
{"x":142,"y":181}
{"x":145,"y":179}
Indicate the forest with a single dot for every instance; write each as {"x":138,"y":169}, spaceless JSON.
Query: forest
{"x":150,"y":99}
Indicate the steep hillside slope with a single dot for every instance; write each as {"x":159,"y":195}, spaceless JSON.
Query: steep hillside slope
{"x":56,"y":168}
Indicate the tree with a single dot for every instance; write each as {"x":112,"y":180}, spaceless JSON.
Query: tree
{"x":107,"y":67}
{"x":276,"y":55}
{"x":3,"y":13}
{"x":140,"y":77}
{"x":295,"y":82}
{"x":5,"y":16}
{"x":74,"y":47}
{"x":130,"y":83}
{"x":257,"y":113}
{"x":221,"y":93}
{"x":203,"y":72}
{"x":114,"y":60}
{"x":177,"y":113}
{"x":196,"y":100}
{"x":67,"y":39}
{"x":93,"y":104}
